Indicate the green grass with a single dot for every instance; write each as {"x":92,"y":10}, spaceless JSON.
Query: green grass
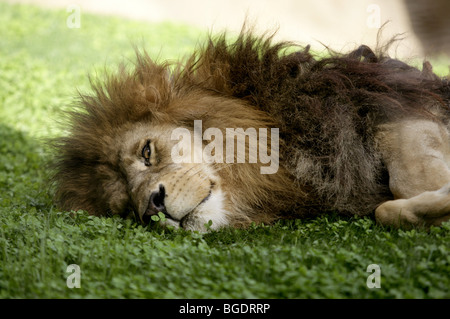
{"x":42,"y":62}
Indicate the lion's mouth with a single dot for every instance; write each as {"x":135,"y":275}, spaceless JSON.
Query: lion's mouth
{"x":207,"y":196}
{"x":156,"y":205}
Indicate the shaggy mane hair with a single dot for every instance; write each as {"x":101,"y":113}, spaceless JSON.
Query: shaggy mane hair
{"x":328,"y":110}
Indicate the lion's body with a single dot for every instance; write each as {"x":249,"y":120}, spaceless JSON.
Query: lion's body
{"x":341,"y":120}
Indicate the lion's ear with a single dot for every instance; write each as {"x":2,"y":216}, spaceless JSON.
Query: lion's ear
{"x":148,"y":93}
{"x":153,"y":80}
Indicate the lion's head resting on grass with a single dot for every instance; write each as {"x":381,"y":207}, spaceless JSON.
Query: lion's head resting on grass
{"x":119,"y":155}
{"x":133,"y":145}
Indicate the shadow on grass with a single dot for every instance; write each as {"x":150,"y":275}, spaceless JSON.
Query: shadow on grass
{"x":23,"y":172}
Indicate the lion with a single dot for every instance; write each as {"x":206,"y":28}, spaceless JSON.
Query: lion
{"x":355,"y":133}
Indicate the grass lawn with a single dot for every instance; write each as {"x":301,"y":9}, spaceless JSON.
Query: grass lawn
{"x":42,"y":63}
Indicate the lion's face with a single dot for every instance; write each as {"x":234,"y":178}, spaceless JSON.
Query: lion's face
{"x":188,"y":193}
{"x":120,"y":156}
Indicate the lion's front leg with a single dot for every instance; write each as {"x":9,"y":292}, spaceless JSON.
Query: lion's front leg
{"x":417,"y":154}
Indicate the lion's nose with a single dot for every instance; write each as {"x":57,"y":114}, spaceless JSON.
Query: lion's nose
{"x":155,"y":204}
{"x":157,"y":199}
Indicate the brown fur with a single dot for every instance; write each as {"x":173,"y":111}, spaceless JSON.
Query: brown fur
{"x":328,"y":111}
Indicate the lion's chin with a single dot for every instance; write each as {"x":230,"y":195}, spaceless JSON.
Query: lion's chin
{"x":209,"y":214}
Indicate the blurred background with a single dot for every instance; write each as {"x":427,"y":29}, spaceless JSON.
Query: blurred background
{"x":339,"y":24}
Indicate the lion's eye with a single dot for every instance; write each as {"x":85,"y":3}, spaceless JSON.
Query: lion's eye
{"x":147,"y":153}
